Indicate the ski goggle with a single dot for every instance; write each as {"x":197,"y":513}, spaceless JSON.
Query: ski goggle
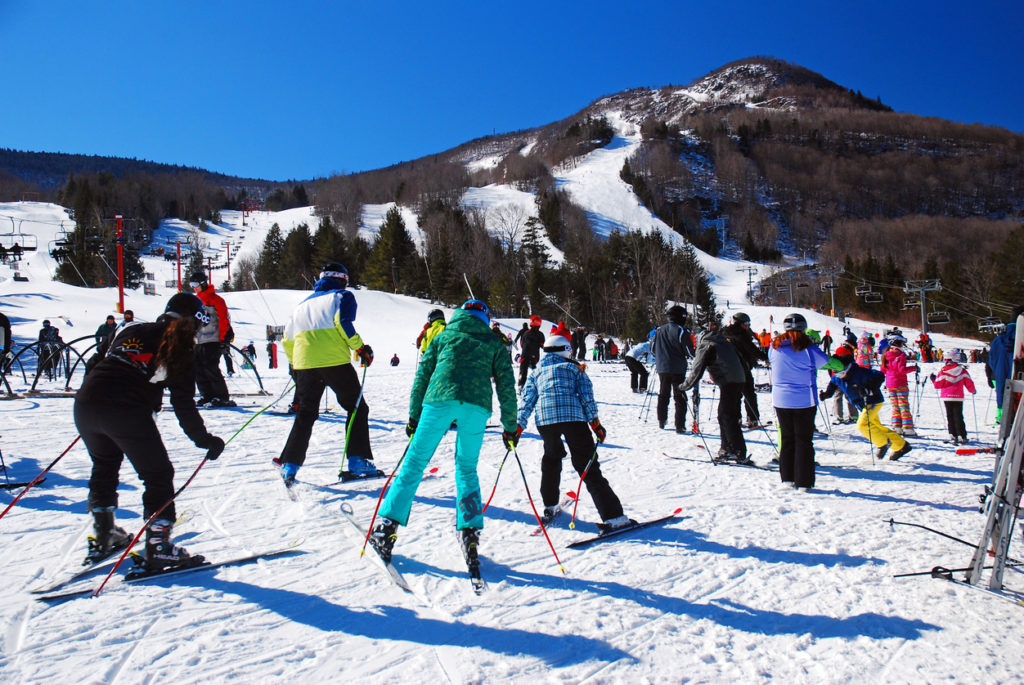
{"x":476,"y":306}
{"x":340,"y":275}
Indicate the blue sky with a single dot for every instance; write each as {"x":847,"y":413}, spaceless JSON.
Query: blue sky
{"x":305,"y":89}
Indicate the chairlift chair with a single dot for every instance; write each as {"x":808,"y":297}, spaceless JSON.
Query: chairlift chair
{"x":863,"y":290}
{"x":937,"y":318}
{"x":782,"y":288}
{"x":803,"y":285}
{"x":828,"y":285}
{"x":989,"y":324}
{"x":873,"y":297}
{"x":911,"y":302}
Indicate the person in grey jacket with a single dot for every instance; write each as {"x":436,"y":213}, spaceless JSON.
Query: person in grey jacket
{"x":719,"y":357}
{"x":671,"y":347}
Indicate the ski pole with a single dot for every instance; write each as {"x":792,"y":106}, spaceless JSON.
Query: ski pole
{"x":823,"y":410}
{"x":39,"y":477}
{"x":974,"y":410}
{"x":533,"y":506}
{"x":871,"y":440}
{"x":380,"y":497}
{"x":351,"y":419}
{"x":579,"y":489}
{"x":3,"y":465}
{"x":495,"y":488}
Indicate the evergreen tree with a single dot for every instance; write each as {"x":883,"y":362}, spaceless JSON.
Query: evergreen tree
{"x":267,"y":273}
{"x":392,"y":264}
{"x":296,"y":270}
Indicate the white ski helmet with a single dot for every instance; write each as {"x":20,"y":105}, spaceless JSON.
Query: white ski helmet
{"x":557,"y":344}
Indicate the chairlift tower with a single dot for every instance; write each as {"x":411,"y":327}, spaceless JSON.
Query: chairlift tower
{"x":921,"y":287}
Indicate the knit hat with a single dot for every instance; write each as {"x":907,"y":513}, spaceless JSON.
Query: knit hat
{"x":186,"y":305}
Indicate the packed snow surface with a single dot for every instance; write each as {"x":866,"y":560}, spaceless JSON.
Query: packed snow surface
{"x":750,"y":582}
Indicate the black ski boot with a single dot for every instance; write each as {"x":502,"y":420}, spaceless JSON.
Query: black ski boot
{"x":161,"y":553}
{"x":383,"y":537}
{"x":880,"y":454}
{"x":470,"y":539}
{"x":106,"y":537}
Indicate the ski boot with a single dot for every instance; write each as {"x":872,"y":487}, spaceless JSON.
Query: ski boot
{"x":383,"y":537}
{"x":470,"y":540}
{"x":615,"y":523}
{"x":362,"y":468}
{"x":882,"y":451}
{"x":900,"y":452}
{"x":218,"y":403}
{"x":549,"y":514}
{"x":106,"y":538}
{"x":288,"y":473}
{"x":161,"y":553}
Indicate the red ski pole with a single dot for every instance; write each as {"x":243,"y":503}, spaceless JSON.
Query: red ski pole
{"x":500,"y":467}
{"x":532,"y":506}
{"x":380,"y":498}
{"x":39,"y":477}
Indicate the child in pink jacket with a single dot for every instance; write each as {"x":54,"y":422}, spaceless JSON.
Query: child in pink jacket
{"x":895,"y":367}
{"x":951,"y":382}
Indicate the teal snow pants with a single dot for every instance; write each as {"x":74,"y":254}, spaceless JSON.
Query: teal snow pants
{"x":435,"y":420}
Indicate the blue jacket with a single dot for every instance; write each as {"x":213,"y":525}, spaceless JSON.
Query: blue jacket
{"x":795,"y":375}
{"x":863,"y":387}
{"x":560,"y":390}
{"x":1000,"y":359}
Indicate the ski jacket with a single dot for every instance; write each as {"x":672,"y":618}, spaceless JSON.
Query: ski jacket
{"x":531,"y":343}
{"x":561,"y":392}
{"x":895,"y":367}
{"x":320,"y":332}
{"x":430,"y":332}
{"x":862,"y":387}
{"x":216,"y":331}
{"x":127,"y":377}
{"x":671,"y":347}
{"x":640,"y":352}
{"x":1000,"y":358}
{"x":743,"y":340}
{"x":795,"y":375}
{"x":460,"y":364}
{"x":104,"y":332}
{"x":5,"y":334}
{"x":952,"y":380}
{"x":49,"y":334}
{"x":719,"y":357}
{"x":865,"y":352}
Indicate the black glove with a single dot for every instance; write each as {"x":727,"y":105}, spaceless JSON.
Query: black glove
{"x":213,"y":446}
{"x":932,"y":377}
{"x":599,"y":430}
{"x":410,"y":427}
{"x":365,"y":354}
{"x":510,"y":438}
{"x":822,"y":396}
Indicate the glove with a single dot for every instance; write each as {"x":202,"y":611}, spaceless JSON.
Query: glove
{"x":410,"y":427}
{"x":213,"y":446}
{"x":365,"y":354}
{"x":511,"y":438}
{"x":599,"y":430}
{"x":932,"y":377}
{"x":822,"y":396}
{"x":992,"y":382}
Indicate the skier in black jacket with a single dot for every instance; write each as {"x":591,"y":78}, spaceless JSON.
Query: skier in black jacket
{"x":114,"y":413}
{"x":716,"y":354}
{"x":532,"y":340}
{"x":671,"y":347}
{"x":742,"y":338}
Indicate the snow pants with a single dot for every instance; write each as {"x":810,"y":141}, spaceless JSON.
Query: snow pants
{"x":638,"y":374}
{"x":581,"y":449}
{"x":112,"y":432}
{"x":837,"y":408}
{"x":669,"y":384}
{"x":729,"y":419}
{"x":750,"y":398}
{"x":434,"y":422}
{"x":525,"y":364}
{"x":902,"y":418}
{"x":796,"y":445}
{"x":309,"y":388}
{"x":872,"y":429}
{"x":955,"y":418}
{"x":209,"y":379}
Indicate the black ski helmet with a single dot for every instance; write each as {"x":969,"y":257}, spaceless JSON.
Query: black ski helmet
{"x":186,"y":305}
{"x":435,"y":315}
{"x":197,"y":279}
{"x":335,"y":270}
{"x":676,"y":314}
{"x":795,"y":322}
{"x":740,"y":318}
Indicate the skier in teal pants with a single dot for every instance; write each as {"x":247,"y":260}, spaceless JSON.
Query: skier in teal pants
{"x":453,"y":383}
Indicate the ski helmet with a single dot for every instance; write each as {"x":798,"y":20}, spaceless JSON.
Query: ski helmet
{"x":197,"y":279}
{"x":740,"y":318}
{"x":676,"y":314}
{"x":46,"y":323}
{"x":435,"y":315}
{"x":185,"y":305}
{"x":558,"y":344}
{"x":535,"y":321}
{"x":795,"y":322}
{"x":478,"y":309}
{"x":335,"y":270}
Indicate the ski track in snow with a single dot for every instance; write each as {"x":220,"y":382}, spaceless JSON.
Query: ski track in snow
{"x":751,"y":583}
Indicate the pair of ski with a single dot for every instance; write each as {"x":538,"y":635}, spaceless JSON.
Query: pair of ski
{"x":139,"y":574}
{"x":570,"y":499}
{"x":713,"y":460}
